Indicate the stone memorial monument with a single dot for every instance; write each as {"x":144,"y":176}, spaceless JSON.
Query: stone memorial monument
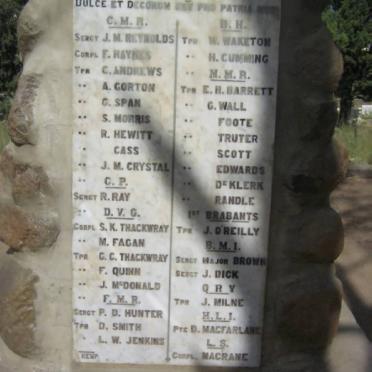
{"x":164,"y":198}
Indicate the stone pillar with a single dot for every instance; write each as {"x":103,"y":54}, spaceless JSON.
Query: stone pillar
{"x":303,"y":296}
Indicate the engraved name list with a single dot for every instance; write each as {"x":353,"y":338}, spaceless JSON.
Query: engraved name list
{"x":174,"y":121}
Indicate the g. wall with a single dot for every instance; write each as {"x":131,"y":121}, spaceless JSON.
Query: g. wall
{"x":303,"y":297}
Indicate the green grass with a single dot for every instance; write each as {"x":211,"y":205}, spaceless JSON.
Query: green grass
{"x":4,"y":138}
{"x":358,"y":142}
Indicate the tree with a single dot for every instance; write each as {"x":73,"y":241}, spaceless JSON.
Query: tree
{"x":10,"y":64}
{"x":349,"y":22}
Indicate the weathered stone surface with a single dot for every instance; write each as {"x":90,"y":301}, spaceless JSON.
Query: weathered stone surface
{"x":318,"y":172}
{"x":31,"y":25}
{"x":331,"y":167}
{"x":301,"y":323}
{"x":5,"y":189}
{"x":318,"y":119}
{"x":298,"y":363}
{"x":17,"y":315}
{"x":42,"y":232}
{"x":13,"y":227}
{"x":28,"y":183}
{"x":318,"y":61}
{"x":320,"y":236}
{"x":9,"y":166}
{"x":21,"y":117}
{"x":19,"y":229}
{"x":309,"y":309}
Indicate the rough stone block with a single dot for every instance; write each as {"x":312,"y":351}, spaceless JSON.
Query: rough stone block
{"x":317,"y":172}
{"x":31,"y":25}
{"x":299,"y":363}
{"x":9,"y":166}
{"x":319,"y":62}
{"x":19,"y":229}
{"x":320,"y":236}
{"x":21,"y":117}
{"x":317,"y":119}
{"x":17,"y":315}
{"x":309,"y":309}
{"x":28,"y":183}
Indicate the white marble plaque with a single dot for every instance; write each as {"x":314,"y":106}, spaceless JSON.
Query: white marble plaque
{"x":174,"y":118}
